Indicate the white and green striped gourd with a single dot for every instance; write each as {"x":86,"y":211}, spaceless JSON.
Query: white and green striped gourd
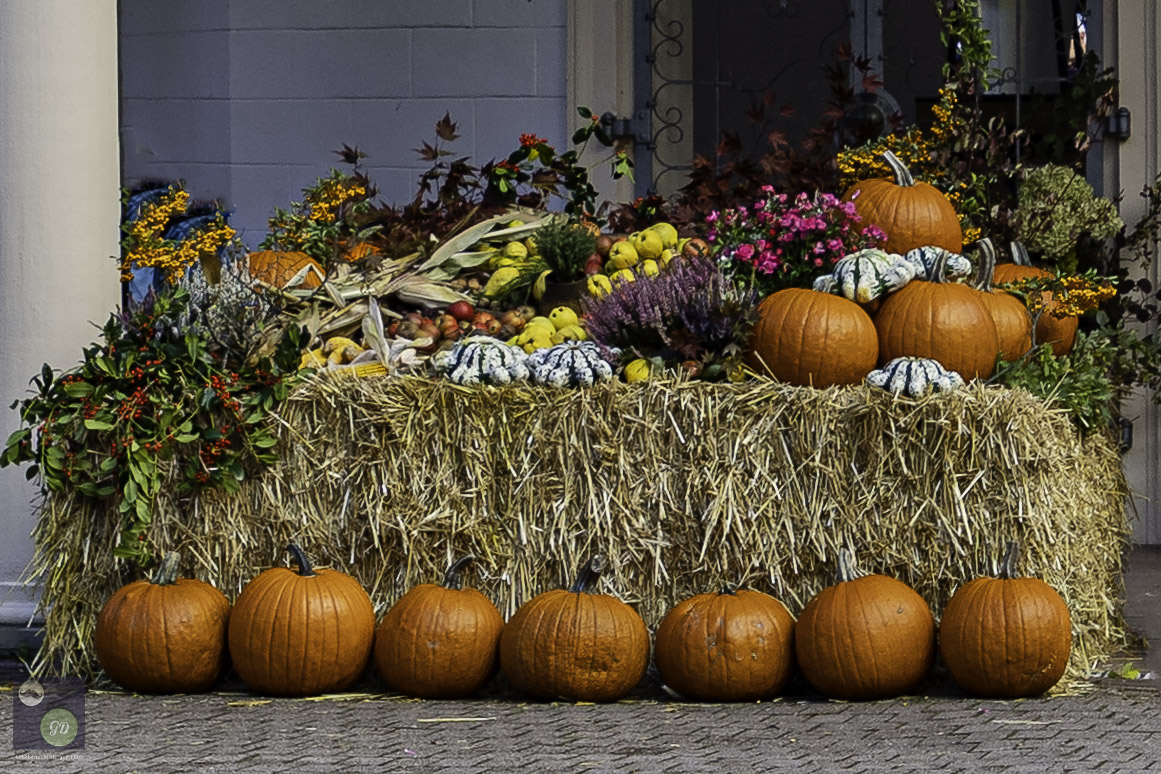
{"x":570,"y":364}
{"x":914,"y":376}
{"x":868,"y":274}
{"x":922,"y":260}
{"x":483,"y":360}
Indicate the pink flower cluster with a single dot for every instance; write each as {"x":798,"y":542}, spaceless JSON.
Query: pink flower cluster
{"x":783,"y":243}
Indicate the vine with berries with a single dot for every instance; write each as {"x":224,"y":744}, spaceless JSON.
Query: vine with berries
{"x":152,"y":396}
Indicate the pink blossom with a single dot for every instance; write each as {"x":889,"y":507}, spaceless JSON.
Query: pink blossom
{"x":713,"y":216}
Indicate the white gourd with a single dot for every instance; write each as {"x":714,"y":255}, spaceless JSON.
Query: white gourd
{"x":922,"y":260}
{"x":483,"y":360}
{"x":570,"y":364}
{"x":871,"y":273}
{"x":914,"y":376}
{"x":826,"y":284}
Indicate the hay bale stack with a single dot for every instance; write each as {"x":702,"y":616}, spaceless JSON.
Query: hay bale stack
{"x":682,"y":486}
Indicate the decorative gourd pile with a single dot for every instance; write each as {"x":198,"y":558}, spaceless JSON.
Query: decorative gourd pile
{"x":309,"y":632}
{"x":908,"y":296}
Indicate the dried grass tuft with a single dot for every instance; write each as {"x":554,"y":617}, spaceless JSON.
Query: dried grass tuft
{"x":681,"y":485}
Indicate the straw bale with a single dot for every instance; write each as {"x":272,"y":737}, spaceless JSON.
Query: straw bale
{"x":682,"y":486}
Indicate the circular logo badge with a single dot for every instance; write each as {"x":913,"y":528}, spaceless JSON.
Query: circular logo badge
{"x":58,"y":727}
{"x":31,"y":693}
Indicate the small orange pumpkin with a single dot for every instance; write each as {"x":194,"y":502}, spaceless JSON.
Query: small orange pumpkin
{"x":865,"y":637}
{"x":1059,"y":332}
{"x":440,"y":642}
{"x":166,"y":635}
{"x":1006,"y":637}
{"x":1010,"y":315}
{"x":301,"y":633}
{"x":911,"y":214}
{"x":804,"y":337}
{"x":575,"y":644}
{"x":941,"y":320}
{"x":730,"y":646}
{"x":277,"y":268}
{"x":357,"y":251}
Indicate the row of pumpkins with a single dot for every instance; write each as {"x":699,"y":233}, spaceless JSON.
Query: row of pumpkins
{"x":306,"y":631}
{"x":906,"y":301}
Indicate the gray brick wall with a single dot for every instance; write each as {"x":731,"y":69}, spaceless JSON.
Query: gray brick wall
{"x":245,"y":100}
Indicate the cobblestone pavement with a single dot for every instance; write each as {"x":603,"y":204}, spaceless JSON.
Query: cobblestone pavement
{"x":1113,"y":728}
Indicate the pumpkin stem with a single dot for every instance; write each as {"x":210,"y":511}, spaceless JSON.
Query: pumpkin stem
{"x":451,"y":578}
{"x":589,"y":575}
{"x":167,"y":572}
{"x":304,"y":568}
{"x":1020,"y":254}
{"x":727,"y":589}
{"x":1011,"y":557}
{"x":987,"y":266}
{"x":847,"y":570}
{"x":903,"y":176}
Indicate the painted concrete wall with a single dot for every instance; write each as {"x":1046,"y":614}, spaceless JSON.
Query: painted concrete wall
{"x":1138,"y":35}
{"x":59,"y":208}
{"x":247,"y":100}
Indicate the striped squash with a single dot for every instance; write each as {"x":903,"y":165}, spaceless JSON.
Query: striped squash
{"x":871,"y":273}
{"x":922,"y":260}
{"x":914,"y":376}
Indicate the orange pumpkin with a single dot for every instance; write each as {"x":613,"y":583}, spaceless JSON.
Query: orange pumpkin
{"x":357,"y":251}
{"x":167,"y":635}
{"x":277,"y":268}
{"x":301,"y":633}
{"x":865,"y":637}
{"x":805,"y":337}
{"x":1010,"y":315}
{"x":575,"y":644}
{"x":941,"y":320}
{"x":440,"y":642}
{"x":729,"y":646}
{"x":1060,"y":332}
{"x":911,"y":214}
{"x":1006,"y":637}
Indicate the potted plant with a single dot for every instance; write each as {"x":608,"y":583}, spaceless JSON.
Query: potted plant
{"x":565,"y":247}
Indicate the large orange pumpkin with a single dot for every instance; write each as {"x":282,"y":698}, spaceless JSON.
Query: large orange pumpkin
{"x":575,"y":644}
{"x":865,"y":637}
{"x":277,"y":268}
{"x":167,"y":635}
{"x":941,"y":320}
{"x":1059,"y":332}
{"x":1010,"y":315}
{"x":440,"y":642}
{"x":729,"y":646}
{"x":911,"y":214}
{"x":1006,"y":637}
{"x":301,"y":633}
{"x":808,"y":338}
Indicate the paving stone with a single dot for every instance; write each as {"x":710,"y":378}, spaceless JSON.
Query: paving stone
{"x":1104,"y":730}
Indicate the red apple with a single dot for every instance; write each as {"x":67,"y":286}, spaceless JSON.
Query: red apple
{"x":604,"y":242}
{"x":594,"y":264}
{"x":461,"y":310}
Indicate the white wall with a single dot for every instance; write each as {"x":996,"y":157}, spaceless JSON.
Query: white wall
{"x":59,"y":208}
{"x":1138,"y":25}
{"x":247,"y":100}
